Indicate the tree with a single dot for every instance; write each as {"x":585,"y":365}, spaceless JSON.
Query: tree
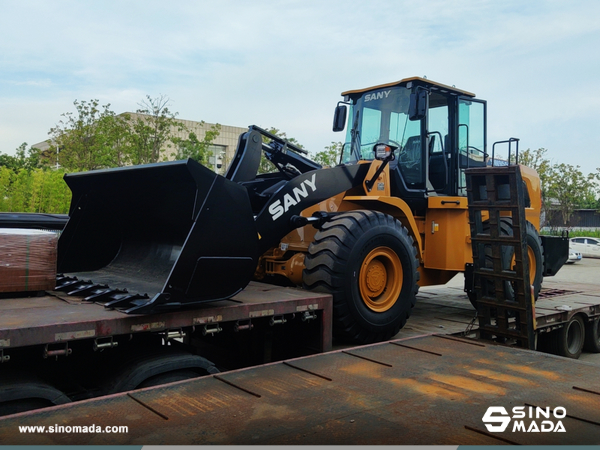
{"x":114,"y":131}
{"x":329,"y":157}
{"x":564,"y":187}
{"x":590,"y":199}
{"x":5,"y":179}
{"x":536,"y":160}
{"x":84,"y":139}
{"x":48,"y":192}
{"x":23,"y":158}
{"x":152,"y":130}
{"x":197,"y":149}
{"x":570,"y":188}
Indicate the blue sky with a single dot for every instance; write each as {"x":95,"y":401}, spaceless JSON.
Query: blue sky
{"x":283,"y":64}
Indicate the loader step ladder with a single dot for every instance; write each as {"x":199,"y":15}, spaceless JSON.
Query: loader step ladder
{"x":493,"y":194}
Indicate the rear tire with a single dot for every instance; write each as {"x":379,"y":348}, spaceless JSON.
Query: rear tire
{"x":367,"y":261}
{"x":23,"y":391}
{"x":592,"y":336}
{"x":535,"y":254}
{"x":568,"y":341}
{"x":157,"y":366}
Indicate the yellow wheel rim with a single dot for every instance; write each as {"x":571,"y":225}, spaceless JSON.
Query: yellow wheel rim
{"x":380,"y":279}
{"x":532,"y":264}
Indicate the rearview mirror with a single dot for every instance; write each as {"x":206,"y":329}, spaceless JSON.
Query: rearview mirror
{"x":418,"y":105}
{"x":339,"y":118}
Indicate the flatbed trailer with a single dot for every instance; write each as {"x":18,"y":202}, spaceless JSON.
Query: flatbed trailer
{"x":56,"y":348}
{"x":560,"y":306}
{"x":434,"y":389}
{"x":57,"y":318}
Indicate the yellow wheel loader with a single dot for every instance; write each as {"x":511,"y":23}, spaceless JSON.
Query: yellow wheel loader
{"x":392,"y":216}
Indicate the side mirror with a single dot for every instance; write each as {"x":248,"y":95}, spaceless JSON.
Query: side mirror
{"x":339,"y":118}
{"x":418,"y":105}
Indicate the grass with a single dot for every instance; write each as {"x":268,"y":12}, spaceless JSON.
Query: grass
{"x":573,"y":233}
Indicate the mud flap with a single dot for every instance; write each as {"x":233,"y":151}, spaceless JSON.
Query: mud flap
{"x":556,"y":253}
{"x":175,"y":233}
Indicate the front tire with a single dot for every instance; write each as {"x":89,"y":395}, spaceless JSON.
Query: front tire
{"x":367,"y":261}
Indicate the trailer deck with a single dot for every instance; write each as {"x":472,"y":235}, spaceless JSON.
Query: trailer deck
{"x":59,"y":318}
{"x":425,"y":390}
{"x":447,"y":310}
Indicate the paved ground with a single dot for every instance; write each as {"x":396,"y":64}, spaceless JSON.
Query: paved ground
{"x":585,"y":271}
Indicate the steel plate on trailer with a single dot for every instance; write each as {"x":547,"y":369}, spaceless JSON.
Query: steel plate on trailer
{"x":430,"y":390}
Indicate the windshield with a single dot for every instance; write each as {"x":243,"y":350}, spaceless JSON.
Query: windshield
{"x":382,"y":117}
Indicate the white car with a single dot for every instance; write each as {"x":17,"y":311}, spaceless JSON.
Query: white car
{"x":587,"y":246}
{"x":573,"y":257}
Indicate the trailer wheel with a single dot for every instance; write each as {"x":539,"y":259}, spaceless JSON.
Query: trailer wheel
{"x":154,"y":367}
{"x":568,"y":341}
{"x":592,"y":336}
{"x":535,"y":254}
{"x":20,"y":392}
{"x":367,"y":261}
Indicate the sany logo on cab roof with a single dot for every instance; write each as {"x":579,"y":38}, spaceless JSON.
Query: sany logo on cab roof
{"x":377,"y":95}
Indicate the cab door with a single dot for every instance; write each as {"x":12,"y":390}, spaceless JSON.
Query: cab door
{"x":472,"y":140}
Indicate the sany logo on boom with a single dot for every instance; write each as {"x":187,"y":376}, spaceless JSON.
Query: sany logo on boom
{"x":277,"y":209}
{"x":377,"y":95}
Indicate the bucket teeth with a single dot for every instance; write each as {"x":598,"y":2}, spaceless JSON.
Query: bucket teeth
{"x":104,"y":294}
{"x":126,"y":301}
{"x":96,"y":293}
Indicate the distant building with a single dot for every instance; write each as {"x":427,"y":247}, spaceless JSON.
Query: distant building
{"x":223,"y":146}
{"x":581,"y":220}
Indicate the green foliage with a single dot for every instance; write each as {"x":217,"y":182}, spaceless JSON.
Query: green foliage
{"x":330,"y":156}
{"x":267,"y":166}
{"x":572,"y":234}
{"x":23,"y":159}
{"x":92,"y":137}
{"x":95,"y":137}
{"x":569,"y":187}
{"x":564,"y":186}
{"x":114,"y":131}
{"x":197,"y":149}
{"x":84,"y":138}
{"x":38,"y":190}
{"x":152,"y":130}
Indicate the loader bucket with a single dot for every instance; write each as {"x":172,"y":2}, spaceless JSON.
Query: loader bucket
{"x":157,"y":236}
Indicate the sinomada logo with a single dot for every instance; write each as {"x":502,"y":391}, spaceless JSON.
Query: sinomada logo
{"x":527,"y":419}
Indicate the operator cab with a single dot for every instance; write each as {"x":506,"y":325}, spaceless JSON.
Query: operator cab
{"x":439,"y":131}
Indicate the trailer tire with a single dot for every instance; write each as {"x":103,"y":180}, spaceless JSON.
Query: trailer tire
{"x":592,"y":336}
{"x":535,"y":254}
{"x":568,"y":341}
{"x":20,"y":392}
{"x":152,"y":368}
{"x":368,"y":262}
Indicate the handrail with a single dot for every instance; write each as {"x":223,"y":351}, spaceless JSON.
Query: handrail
{"x":509,"y":142}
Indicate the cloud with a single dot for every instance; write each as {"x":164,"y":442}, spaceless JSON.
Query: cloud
{"x":284,"y":63}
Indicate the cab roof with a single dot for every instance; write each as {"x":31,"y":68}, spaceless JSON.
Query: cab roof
{"x":434,"y":86}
